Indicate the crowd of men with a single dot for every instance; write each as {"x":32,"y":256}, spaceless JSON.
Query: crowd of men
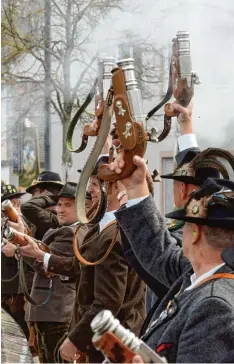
{"x":185,"y":270}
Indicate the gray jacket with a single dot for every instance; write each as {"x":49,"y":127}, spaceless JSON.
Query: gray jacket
{"x":199,"y":325}
{"x":60,"y":306}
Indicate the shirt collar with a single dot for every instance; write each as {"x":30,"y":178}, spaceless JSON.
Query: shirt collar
{"x":194,"y":280}
{"x":107,"y":218}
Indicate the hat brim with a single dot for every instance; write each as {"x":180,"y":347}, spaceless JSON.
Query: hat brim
{"x":57,"y":197}
{"x":13,"y":195}
{"x":213,"y":222}
{"x":43,"y":183}
{"x":185,"y":179}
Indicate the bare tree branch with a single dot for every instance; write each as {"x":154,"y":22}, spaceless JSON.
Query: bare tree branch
{"x":57,"y":110}
{"x":81,"y":78}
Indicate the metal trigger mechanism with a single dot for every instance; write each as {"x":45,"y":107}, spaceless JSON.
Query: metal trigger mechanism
{"x":153,"y":135}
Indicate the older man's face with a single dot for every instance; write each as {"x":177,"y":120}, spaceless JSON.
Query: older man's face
{"x":94,"y":189}
{"x":177,"y":194}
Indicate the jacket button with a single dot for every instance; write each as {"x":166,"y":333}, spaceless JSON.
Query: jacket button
{"x":51,"y":268}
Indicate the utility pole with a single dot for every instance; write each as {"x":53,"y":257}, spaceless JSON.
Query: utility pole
{"x":47,"y":93}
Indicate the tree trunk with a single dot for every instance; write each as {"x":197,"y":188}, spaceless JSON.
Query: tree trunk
{"x":66,"y":155}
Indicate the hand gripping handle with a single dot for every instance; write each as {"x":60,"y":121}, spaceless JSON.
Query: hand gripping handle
{"x":130,"y":133}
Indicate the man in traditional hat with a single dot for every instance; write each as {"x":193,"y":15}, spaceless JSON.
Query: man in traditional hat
{"x":112,"y":284}
{"x":41,"y":213}
{"x":51,"y":320}
{"x":12,"y":297}
{"x":192,"y":170}
{"x":195,"y":321}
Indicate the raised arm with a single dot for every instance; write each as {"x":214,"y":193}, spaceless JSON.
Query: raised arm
{"x":35,"y":211}
{"x":153,"y":245}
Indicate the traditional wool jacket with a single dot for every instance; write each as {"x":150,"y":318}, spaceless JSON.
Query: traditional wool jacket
{"x":112,"y":285}
{"x":9,"y":269}
{"x":198,"y":325}
{"x":41,"y":220}
{"x":60,"y":306}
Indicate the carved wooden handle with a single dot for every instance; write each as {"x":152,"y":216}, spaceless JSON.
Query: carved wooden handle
{"x":107,"y":175}
{"x":124,"y":122}
{"x":99,"y":110}
{"x":131,"y":134}
{"x":88,"y":131}
{"x":169,"y":112}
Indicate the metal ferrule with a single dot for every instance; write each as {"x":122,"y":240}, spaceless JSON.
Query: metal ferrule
{"x":105,"y":321}
{"x":9,"y":233}
{"x":6,"y":204}
{"x":183,"y":44}
{"x":133,"y":92}
{"x":108,"y":65}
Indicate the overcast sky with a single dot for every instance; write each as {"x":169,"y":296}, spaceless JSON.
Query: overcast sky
{"x":211,"y":27}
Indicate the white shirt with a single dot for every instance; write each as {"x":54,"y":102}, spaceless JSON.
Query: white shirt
{"x":187,"y":141}
{"x":107,"y":218}
{"x":194,"y":280}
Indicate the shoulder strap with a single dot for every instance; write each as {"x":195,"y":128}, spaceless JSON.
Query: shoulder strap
{"x":215,"y":276}
{"x":24,"y":287}
{"x":81,"y":259}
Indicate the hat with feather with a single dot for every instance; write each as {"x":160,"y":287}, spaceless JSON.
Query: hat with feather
{"x":212,"y":204}
{"x":196,"y":168}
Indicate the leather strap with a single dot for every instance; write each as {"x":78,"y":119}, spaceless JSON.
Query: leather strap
{"x":3,"y":228}
{"x":75,"y":120}
{"x":23,"y":284}
{"x":215,"y":276}
{"x":84,"y":261}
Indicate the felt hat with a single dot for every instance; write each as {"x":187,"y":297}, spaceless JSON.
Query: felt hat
{"x":9,"y":192}
{"x":45,"y":179}
{"x":212,"y":205}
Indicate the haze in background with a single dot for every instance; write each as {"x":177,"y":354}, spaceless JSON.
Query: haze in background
{"x":211,"y":27}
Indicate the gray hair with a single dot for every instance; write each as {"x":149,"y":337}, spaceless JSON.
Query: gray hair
{"x":219,"y":238}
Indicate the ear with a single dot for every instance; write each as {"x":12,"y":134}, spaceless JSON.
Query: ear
{"x":184,"y":190}
{"x":196,"y":233}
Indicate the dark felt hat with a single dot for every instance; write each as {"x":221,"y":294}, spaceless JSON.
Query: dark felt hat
{"x":185,"y":173}
{"x":104,"y":159}
{"x":68,"y":190}
{"x":8,"y":192}
{"x":45,"y":179}
{"x":212,"y":205}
